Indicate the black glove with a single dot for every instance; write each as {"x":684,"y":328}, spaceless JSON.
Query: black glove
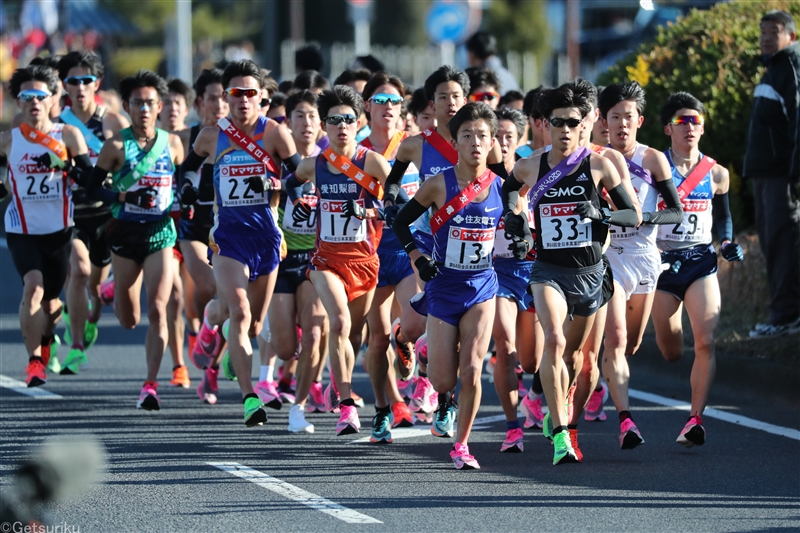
{"x":80,"y":175}
{"x":189,"y":195}
{"x":256,"y":184}
{"x":144,"y":198}
{"x":3,"y":190}
{"x":521,"y":246}
{"x":353,"y":209}
{"x":427,"y":268}
{"x":587,"y":210}
{"x":732,"y":252}
{"x":390,"y":213}
{"x":515,"y":225}
{"x":49,"y":160}
{"x":301,"y":212}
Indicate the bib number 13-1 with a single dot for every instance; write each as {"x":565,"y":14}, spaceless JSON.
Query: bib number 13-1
{"x":469,"y":249}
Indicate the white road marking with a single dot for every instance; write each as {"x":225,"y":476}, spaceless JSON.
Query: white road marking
{"x":716,"y":413}
{"x":22,"y":388}
{"x":425,"y":431}
{"x":295,"y":493}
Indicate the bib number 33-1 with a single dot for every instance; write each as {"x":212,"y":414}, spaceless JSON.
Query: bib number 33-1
{"x":469,"y":249}
{"x":562,"y":228}
{"x":335,"y":226}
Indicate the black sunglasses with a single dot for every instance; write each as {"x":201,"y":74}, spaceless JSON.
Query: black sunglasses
{"x":571,"y":123}
{"x":80,"y":80}
{"x":335,"y":120}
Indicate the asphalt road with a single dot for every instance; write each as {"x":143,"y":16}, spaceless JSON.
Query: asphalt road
{"x":159,"y":476}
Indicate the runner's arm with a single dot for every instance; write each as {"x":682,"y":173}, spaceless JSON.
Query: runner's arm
{"x":187,"y":173}
{"x":673,"y":214}
{"x":392,"y":186}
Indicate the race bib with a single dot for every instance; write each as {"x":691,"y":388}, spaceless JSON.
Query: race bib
{"x":469,"y":249}
{"x":562,"y":228}
{"x":335,"y":226}
{"x":695,"y":226}
{"x":40,"y":185}
{"x":234,"y":187}
{"x":163,"y":188}
{"x":309,"y":227}
{"x":622,"y":232}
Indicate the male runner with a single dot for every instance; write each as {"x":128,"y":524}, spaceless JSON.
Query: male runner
{"x":691,"y":278}
{"x":567,"y":277}
{"x":90,"y":258}
{"x":38,"y":220}
{"x":539,"y":132}
{"x":142,"y":234}
{"x":484,"y":86}
{"x":419,"y":107}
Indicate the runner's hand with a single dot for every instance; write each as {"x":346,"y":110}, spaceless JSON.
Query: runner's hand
{"x":390,"y":213}
{"x":352,"y":209}
{"x":256,"y":184}
{"x":144,"y":198}
{"x":49,"y":160}
{"x":587,"y":210}
{"x":732,"y":252}
{"x":521,"y":246}
{"x":301,"y":212}
{"x":427,"y":268}
{"x":515,"y":225}
{"x":189,"y":195}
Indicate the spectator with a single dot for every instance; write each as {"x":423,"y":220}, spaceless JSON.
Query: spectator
{"x":772,"y":161}
{"x":482,"y":50}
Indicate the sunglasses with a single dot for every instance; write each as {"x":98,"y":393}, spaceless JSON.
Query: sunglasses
{"x":483,"y":97}
{"x":279,"y":120}
{"x":571,"y":123}
{"x":265,"y":102}
{"x":238,"y":92}
{"x":80,"y":80}
{"x":697,"y":120}
{"x":27,"y":96}
{"x":335,"y":120}
{"x":382,"y":99}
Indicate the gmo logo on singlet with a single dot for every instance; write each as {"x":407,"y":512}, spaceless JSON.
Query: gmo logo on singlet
{"x":575,"y":190}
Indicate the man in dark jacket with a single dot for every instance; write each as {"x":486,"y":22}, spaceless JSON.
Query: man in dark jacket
{"x":772,"y":161}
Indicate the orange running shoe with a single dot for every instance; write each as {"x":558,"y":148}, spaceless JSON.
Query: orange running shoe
{"x":573,"y":438}
{"x":192,"y":340}
{"x":402,"y":415}
{"x":34,"y":372}
{"x":180,"y":377}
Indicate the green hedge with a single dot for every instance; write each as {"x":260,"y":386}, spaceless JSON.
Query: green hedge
{"x":713,"y":55}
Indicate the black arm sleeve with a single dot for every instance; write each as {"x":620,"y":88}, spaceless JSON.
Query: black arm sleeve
{"x":722,"y":217}
{"x":192,"y":163}
{"x":673,"y":214}
{"x":294,"y":187}
{"x":95,"y":188}
{"x":511,"y":189}
{"x":392,"y":186}
{"x":290,"y":163}
{"x":82,"y":162}
{"x":410,"y":212}
{"x":625,"y":215}
{"x":499,"y":169}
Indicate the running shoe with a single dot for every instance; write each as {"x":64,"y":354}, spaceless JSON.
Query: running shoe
{"x":424,"y":398}
{"x":227,"y":366}
{"x":72,"y":364}
{"x":90,"y":334}
{"x":401,"y":416}
{"x":573,"y":439}
{"x":462,"y":458}
{"x":297,"y":420}
{"x":490,"y":364}
{"x":629,"y":436}
{"x":50,"y":355}
{"x":34,"y":373}
{"x":106,"y":293}
{"x":547,"y":427}
{"x":513,"y":442}
{"x":348,"y":421}
{"x":382,"y":428}
{"x":693,"y":433}
{"x":444,"y":420}
{"x":533,"y":412}
{"x":331,"y":398}
{"x":773,"y":330}
{"x":594,"y":409}
{"x":254,"y":415}
{"x":207,"y":347}
{"x":569,"y":402}
{"x":406,"y":387}
{"x":521,"y":390}
{"x":358,"y":400}
{"x":421,"y":348}
{"x":425,"y":418}
{"x":563,"y":452}
{"x":192,"y":339}
{"x":148,"y":398}
{"x":267,"y":392}
{"x":209,"y":389}
{"x":67,"y":326}
{"x":406,"y":360}
{"x":315,"y":402}
{"x":286,"y":392}
{"x":180,"y":377}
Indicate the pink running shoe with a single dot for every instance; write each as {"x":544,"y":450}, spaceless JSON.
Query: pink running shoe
{"x":331,"y":398}
{"x":693,"y":433}
{"x":594,"y":409}
{"x":421,"y":347}
{"x":207,"y":347}
{"x":148,"y":398}
{"x":629,"y":436}
{"x":533,"y":412}
{"x":315,"y":402}
{"x":348,"y":421}
{"x":513,"y":442}
{"x":424,"y":398}
{"x":208,"y":389}
{"x":267,"y":392}
{"x":106,"y":293}
{"x":462,"y":458}
{"x":406,"y":387}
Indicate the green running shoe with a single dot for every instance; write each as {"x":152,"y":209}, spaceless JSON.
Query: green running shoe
{"x":254,"y":415}
{"x":227,"y":366}
{"x":67,"y":327}
{"x":50,"y":355}
{"x":89,"y":335}
{"x":547,"y":427}
{"x":72,"y":364}
{"x":563,"y":452}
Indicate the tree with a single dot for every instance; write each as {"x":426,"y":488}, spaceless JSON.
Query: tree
{"x":519,"y":26}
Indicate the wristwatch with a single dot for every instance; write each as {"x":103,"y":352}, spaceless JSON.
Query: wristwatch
{"x":606,"y":214}
{"x":645,"y":217}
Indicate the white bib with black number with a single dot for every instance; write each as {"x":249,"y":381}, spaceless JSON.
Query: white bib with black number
{"x":234,"y":186}
{"x":309,"y":227}
{"x":562,"y":228}
{"x":469,"y":248}
{"x":335,"y":226}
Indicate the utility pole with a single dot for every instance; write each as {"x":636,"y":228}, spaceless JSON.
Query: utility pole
{"x":183,"y":38}
{"x":573,"y":37}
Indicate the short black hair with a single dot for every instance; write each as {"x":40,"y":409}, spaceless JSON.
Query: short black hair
{"x":621,"y":92}
{"x":382,"y":78}
{"x":482,"y":76}
{"x":278,"y":99}
{"x":471,"y":112}
{"x":585,"y":87}
{"x":242,"y":69}
{"x":40,"y":73}
{"x":508,"y":113}
{"x":678,"y":101}
{"x":510,"y":96}
{"x":269,"y":84}
{"x":418,"y":103}
{"x":562,"y":98}
{"x":445,"y":74}
{"x":206,"y":78}
{"x":781,"y":17}
{"x":310,"y":79}
{"x":87,"y":60}
{"x":368,"y":62}
{"x":286,"y":86}
{"x":483,"y":44}
{"x":143,"y":78}
{"x":351,"y":75}
{"x":50,"y":61}
{"x":308,"y":58}
{"x":180,"y":87}
{"x":297,"y":98}
{"x":529,"y":106}
{"x":339,"y":95}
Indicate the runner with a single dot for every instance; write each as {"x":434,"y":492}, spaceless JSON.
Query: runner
{"x":691,"y":278}
{"x":461,"y":283}
{"x":633,"y":254}
{"x":484,"y":86}
{"x":599,"y":130}
{"x":38,"y":220}
{"x":90,"y":258}
{"x":567,"y":277}
{"x":344,"y":266}
{"x":419,"y":107}
{"x":540,"y":134}
{"x":142,"y":234}
{"x":245,"y":240}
